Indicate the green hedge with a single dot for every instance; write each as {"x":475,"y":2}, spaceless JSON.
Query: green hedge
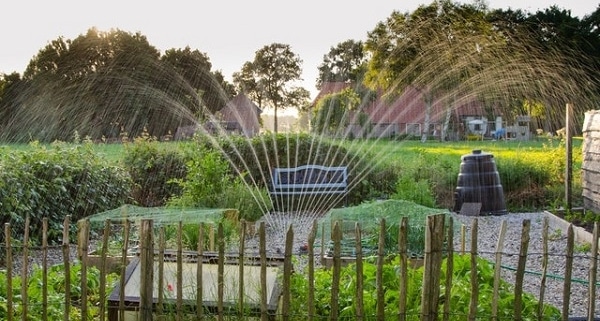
{"x":56,"y":181}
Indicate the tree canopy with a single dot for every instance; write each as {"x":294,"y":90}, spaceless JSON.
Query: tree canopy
{"x":270,"y":79}
{"x":109,"y":84}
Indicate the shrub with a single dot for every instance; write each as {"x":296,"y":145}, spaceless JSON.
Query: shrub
{"x":56,"y":182}
{"x":415,"y":191}
{"x":153,"y":167}
{"x":209,"y":183}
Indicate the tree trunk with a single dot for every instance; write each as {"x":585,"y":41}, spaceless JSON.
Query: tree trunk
{"x":275,"y":119}
{"x":447,"y":120}
{"x":428,"y":103}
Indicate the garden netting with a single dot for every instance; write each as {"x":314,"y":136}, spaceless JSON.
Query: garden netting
{"x":369,"y":216}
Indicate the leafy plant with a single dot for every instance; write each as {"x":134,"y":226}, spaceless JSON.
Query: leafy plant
{"x":56,"y":293}
{"x":459,"y":294}
{"x":54,"y":182}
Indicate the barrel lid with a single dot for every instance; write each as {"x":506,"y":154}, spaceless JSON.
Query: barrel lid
{"x":476,"y":154}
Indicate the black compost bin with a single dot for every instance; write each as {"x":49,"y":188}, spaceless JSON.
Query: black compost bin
{"x":479,"y":182}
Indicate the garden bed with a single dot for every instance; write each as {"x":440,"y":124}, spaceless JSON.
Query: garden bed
{"x":582,"y":227}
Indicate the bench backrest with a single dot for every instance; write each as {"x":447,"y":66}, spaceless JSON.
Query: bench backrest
{"x":311,"y":177}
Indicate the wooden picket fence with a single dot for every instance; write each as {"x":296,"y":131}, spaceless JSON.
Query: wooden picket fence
{"x":150,"y":298}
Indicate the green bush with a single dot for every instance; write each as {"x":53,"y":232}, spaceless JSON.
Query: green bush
{"x":256,"y":157}
{"x":210,"y":184}
{"x":414,"y":191}
{"x":153,"y":167}
{"x":56,"y":182}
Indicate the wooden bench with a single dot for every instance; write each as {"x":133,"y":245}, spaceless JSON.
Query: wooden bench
{"x":309,"y":180}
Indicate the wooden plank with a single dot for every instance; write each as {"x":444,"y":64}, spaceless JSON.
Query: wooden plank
{"x":434,"y":239}
{"x":287,"y":274}
{"x":337,"y":263}
{"x":45,"y":272}
{"x":568,"y":272}
{"x":592,"y":274}
{"x":85,"y":232}
{"x":122,"y":280}
{"x":241,"y":249}
{"x":379,"y":272}
{"x":263,"y":271}
{"x":540,"y":312}
{"x":199,"y":274}
{"x":147,"y":270}
{"x":179,"y":273}
{"x":25,"y":271}
{"x":311,"y":269}
{"x":474,"y":299}
{"x":403,"y":252}
{"x":67,"y":266}
{"x":221,"y":273}
{"x":497,"y":267}
{"x":9,"y":267}
{"x":359,"y":300}
{"x":449,"y":268}
{"x":161,"y":271}
{"x":520,"y":273}
{"x":103,"y":253}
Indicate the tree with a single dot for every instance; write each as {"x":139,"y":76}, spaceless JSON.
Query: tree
{"x":346,"y":62}
{"x":107,"y":84}
{"x":434,"y":49}
{"x":270,"y":78}
{"x":331,"y":114}
{"x":195,"y":68}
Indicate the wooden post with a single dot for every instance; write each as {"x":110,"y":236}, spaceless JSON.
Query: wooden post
{"x":474,"y":300}
{"x":311,"y":270}
{"x":287,"y":274}
{"x":520,"y":275}
{"x":9,"y":267}
{"x":67,"y":265}
{"x":497,"y":267}
{"x":25,"y":271}
{"x":434,"y":243}
{"x":568,"y":272}
{"x":449,"y":268}
{"x":85,"y":232}
{"x":45,"y":270}
{"x":379,"y":273}
{"x":359,"y":300}
{"x":592,"y":273}
{"x":569,"y":161}
{"x":337,"y":267}
{"x":146,"y":270}
{"x":403,"y":252}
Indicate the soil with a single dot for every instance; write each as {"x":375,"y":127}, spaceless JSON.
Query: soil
{"x":577,"y":217}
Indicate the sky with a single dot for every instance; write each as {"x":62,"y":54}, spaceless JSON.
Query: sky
{"x":228,"y":31}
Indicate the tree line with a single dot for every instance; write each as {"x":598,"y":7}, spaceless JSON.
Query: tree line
{"x":512,"y":61}
{"x":114,"y":83}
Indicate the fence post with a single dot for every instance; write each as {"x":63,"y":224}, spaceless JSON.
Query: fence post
{"x":473,"y":301}
{"x":9,"y":267}
{"x":67,"y":265}
{"x":434,"y":242}
{"x":592,"y":273}
{"x":379,"y":273}
{"x":521,"y":270}
{"x":146,"y":270}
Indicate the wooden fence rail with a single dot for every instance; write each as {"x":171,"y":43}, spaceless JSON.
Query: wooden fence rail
{"x":160,"y":283}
